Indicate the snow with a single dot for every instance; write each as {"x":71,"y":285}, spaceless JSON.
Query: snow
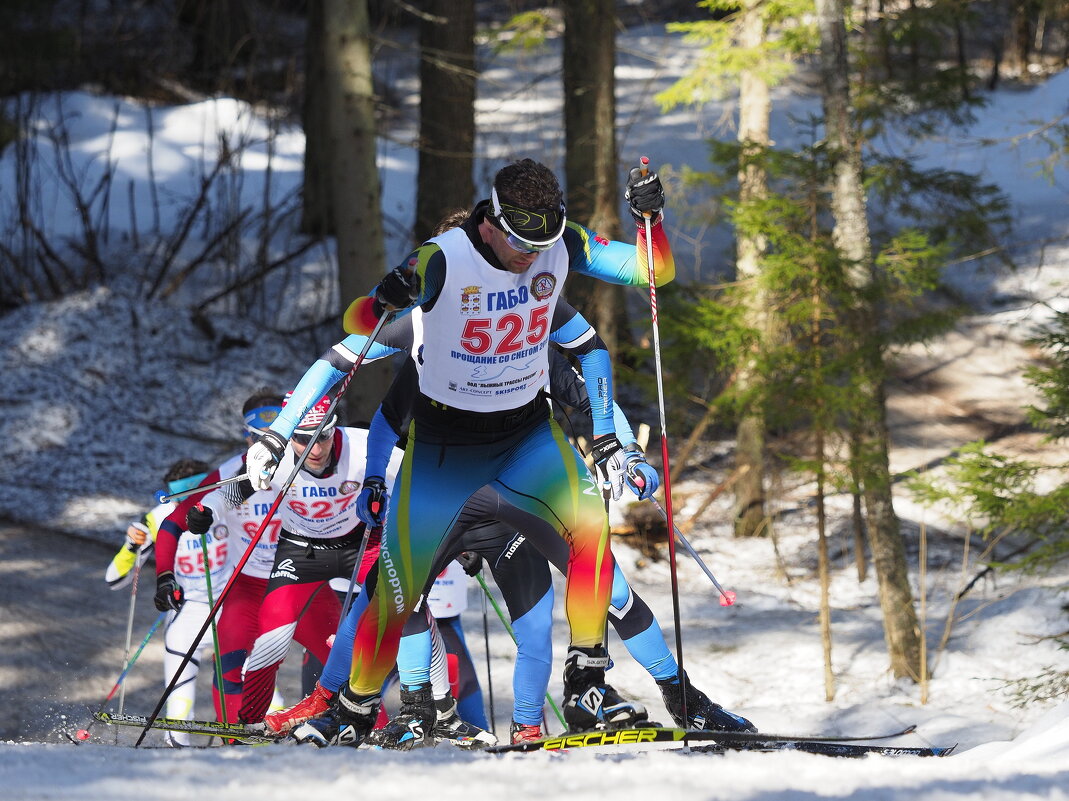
{"x":103,"y":388}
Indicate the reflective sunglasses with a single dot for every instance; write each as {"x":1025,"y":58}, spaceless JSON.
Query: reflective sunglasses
{"x":306,"y":439}
{"x":499,"y":218}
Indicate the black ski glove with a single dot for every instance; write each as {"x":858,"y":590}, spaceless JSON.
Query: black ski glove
{"x":602,"y":450}
{"x":168,"y":594}
{"x":471,"y":562}
{"x":398,"y":290}
{"x":644,"y":194}
{"x":199,"y":520}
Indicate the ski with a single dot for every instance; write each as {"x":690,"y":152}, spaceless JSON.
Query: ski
{"x":831,"y":749}
{"x":739,"y":741}
{"x":208,"y":728}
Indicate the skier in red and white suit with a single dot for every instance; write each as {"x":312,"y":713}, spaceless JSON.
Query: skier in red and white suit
{"x":238,"y":620}
{"x":319,"y":539}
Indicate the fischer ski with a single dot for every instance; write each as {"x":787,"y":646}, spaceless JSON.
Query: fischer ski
{"x":208,"y":728}
{"x":745,"y":741}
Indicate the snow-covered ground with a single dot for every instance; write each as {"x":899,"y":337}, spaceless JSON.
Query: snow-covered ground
{"x":102,"y":389}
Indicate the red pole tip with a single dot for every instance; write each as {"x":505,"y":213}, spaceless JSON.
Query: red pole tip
{"x":727,"y":598}
{"x":82,"y":734}
{"x":644,"y":160}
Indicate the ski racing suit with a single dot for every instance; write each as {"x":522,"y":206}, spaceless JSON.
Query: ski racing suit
{"x":480,"y":419}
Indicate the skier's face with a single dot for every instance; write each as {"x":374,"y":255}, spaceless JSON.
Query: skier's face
{"x":515,"y":261}
{"x":319,"y":451}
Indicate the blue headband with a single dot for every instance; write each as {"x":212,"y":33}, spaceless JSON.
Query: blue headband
{"x":183,"y":484}
{"x":261,"y":417}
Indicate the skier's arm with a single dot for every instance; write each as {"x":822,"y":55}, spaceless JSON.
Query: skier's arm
{"x":136,"y":548}
{"x":171,"y":527}
{"x":334,"y":365}
{"x":620,"y":262}
{"x":422,"y":272}
{"x":572,"y":332}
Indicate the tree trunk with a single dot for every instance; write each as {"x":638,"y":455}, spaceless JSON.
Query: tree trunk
{"x":353,"y":178}
{"x":315,"y":191}
{"x":851,"y":238}
{"x":754,"y":111}
{"x":222,"y":37}
{"x":447,"y":111}
{"x":590,"y":161}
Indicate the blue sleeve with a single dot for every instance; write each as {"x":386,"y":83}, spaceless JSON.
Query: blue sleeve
{"x":332,"y":367}
{"x":381,"y":439}
{"x":320,"y":377}
{"x":611,"y":261}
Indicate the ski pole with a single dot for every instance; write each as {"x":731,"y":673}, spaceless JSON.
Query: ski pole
{"x":263,"y":527}
{"x":727,"y":597}
{"x":489,"y":675}
{"x":130,"y":616}
{"x":83,"y":734}
{"x":512,"y":634}
{"x":215,"y":632}
{"x":644,"y":164}
{"x":163,"y":497}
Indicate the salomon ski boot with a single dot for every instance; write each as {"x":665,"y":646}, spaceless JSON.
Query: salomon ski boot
{"x":701,"y":712}
{"x":348,"y":722}
{"x":590,"y":703}
{"x":449,"y":727}
{"x":411,"y":727}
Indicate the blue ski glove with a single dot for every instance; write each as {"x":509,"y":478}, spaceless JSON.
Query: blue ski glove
{"x":639,"y":475}
{"x":373,"y":501}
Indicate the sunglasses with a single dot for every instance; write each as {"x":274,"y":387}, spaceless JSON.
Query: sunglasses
{"x":306,"y":439}
{"x":499,"y":218}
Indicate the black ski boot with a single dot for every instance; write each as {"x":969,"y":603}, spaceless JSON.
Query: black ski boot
{"x":413,"y":724}
{"x":590,"y":703}
{"x":348,"y":722}
{"x":451,"y":728}
{"x":701,"y":712}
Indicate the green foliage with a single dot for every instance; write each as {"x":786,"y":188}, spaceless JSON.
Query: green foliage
{"x":722,"y":60}
{"x":525,"y":32}
{"x":1052,"y":379}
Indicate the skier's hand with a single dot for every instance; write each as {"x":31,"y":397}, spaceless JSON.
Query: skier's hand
{"x":199,"y":519}
{"x":471,"y":562}
{"x":398,"y":290}
{"x":644,"y":194}
{"x":168,"y":594}
{"x":608,"y":459}
{"x":639,"y":476}
{"x":262,"y":458}
{"x":373,"y":501}
{"x":136,"y":534}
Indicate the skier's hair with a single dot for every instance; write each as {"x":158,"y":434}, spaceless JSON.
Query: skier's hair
{"x":264,"y":396}
{"x":184,"y":468}
{"x":529,"y":185}
{"x":453,"y":219}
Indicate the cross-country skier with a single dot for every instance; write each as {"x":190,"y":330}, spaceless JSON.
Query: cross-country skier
{"x":237,"y":620}
{"x":319,"y":539}
{"x":516,"y":545}
{"x":185,"y":619}
{"x":488,"y":290}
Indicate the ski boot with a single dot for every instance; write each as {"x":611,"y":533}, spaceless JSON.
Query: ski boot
{"x":590,"y":703}
{"x":523,"y":733}
{"x":413,"y":724}
{"x":311,"y":706}
{"x":449,"y":727}
{"x":347,"y":722}
{"x":701,"y":712}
